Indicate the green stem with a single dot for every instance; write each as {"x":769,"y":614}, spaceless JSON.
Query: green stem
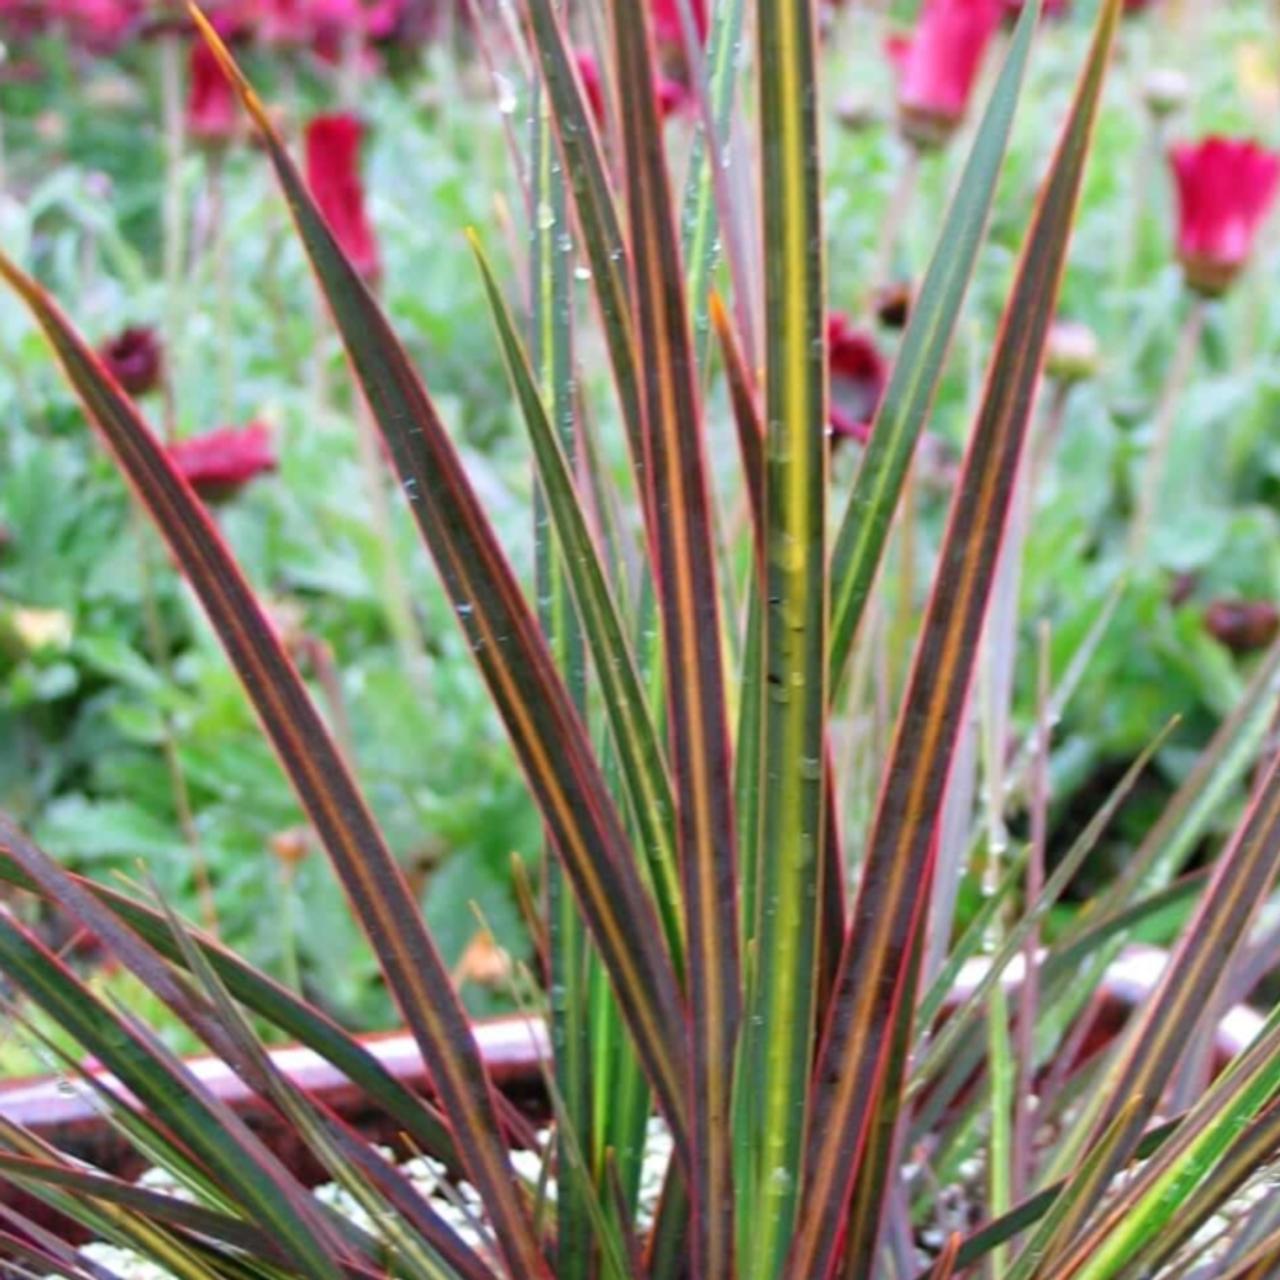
{"x":158,"y":644}
{"x":1162,"y":430}
{"x":224,"y":319}
{"x":891,"y":225}
{"x":173,"y":218}
{"x":395,"y":593}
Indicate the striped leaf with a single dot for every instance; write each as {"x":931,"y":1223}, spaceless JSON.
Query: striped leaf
{"x":383,"y":903}
{"x":682,"y":557}
{"x":245,"y":1169}
{"x":790,"y":758}
{"x":1157,"y":1037}
{"x":57,"y":1262}
{"x":425,"y":1244}
{"x":713,"y":198}
{"x":1078,"y":1194}
{"x":860,"y":1069}
{"x":960,"y":1022}
{"x":34,"y":1174}
{"x":507,"y":643}
{"x":598,"y":219}
{"x":1153,"y":1206}
{"x":1253,"y":1150}
{"x":271,"y":1001}
{"x":551,"y":327}
{"x":640,"y":753}
{"x":219,"y":1024}
{"x":1033,"y":1209}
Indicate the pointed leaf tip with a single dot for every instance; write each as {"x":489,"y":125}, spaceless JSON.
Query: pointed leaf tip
{"x":217,"y":46}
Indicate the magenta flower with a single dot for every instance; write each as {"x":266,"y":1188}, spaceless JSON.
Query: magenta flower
{"x":315,"y":22}
{"x":1051,"y":9}
{"x":220,"y":462}
{"x":666,"y":21}
{"x":1226,"y":187}
{"x":134,"y":359}
{"x":857,"y":373}
{"x":938,"y":65}
{"x":100,"y":24}
{"x":333,"y":174}
{"x":672,"y":96}
{"x":211,"y":98}
{"x":592,"y":83}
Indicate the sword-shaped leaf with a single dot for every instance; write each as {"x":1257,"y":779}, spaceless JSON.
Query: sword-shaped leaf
{"x":546,"y":730}
{"x":793,"y":629}
{"x":862,"y":1059}
{"x":640,"y":753}
{"x":315,"y":766}
{"x":1156,"y":1038}
{"x":597,"y":213}
{"x":683,"y":561}
{"x":279,"y":1006}
{"x":244,"y":1168}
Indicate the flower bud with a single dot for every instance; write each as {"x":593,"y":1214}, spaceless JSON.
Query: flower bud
{"x":290,"y":846}
{"x":1071,"y":354}
{"x":133,"y":357}
{"x":893,"y":303}
{"x":1165,"y":91}
{"x":1226,"y":188}
{"x":1242,"y":625}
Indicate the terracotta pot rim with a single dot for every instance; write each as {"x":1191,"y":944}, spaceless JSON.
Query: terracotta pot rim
{"x":515,"y":1049}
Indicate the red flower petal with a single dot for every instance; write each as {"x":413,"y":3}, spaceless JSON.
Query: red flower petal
{"x":1226,"y":187}
{"x":220,"y":462}
{"x":939,"y":64}
{"x":333,"y":174}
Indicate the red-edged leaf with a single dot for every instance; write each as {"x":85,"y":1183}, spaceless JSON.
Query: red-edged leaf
{"x":862,"y":1059}
{"x":682,"y":554}
{"x":373,"y":880}
{"x":790,"y":757}
{"x":244,"y":1168}
{"x":548,"y":734}
{"x":279,"y":1006}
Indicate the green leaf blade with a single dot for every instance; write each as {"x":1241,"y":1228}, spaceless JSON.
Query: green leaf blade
{"x":545,"y":729}
{"x":863,"y":1059}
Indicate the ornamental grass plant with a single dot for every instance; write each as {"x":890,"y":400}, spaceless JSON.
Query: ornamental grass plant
{"x":724,"y":955}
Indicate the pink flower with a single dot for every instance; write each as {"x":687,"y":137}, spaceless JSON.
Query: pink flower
{"x":592,"y":84}
{"x":857,"y":373}
{"x":1226,"y":187}
{"x":938,"y":65}
{"x":101,"y":24}
{"x":671,"y":94}
{"x":134,"y":360}
{"x":1051,"y":8}
{"x":333,"y":174}
{"x":666,"y":21}
{"x":219,"y":462}
{"x":308,"y":22}
{"x":211,"y":98}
